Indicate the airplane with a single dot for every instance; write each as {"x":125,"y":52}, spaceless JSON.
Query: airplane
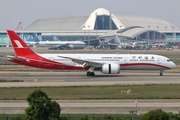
{"x":57,"y":44}
{"x":107,"y":63}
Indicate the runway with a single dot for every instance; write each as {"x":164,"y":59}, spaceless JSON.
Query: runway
{"x":80,"y":79}
{"x":98,"y":106}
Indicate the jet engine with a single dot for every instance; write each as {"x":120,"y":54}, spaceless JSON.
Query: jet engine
{"x":110,"y":69}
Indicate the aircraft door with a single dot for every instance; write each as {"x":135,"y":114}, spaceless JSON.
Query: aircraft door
{"x":126,"y":60}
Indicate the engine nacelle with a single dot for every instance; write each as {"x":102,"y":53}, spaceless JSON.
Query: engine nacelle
{"x":71,"y":46}
{"x":110,"y":69}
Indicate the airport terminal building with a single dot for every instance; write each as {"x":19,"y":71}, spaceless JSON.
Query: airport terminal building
{"x":101,"y":26}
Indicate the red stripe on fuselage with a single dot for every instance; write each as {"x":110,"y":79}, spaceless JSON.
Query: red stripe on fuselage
{"x":143,"y":64}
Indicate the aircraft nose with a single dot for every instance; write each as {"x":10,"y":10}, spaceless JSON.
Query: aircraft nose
{"x":173,"y":65}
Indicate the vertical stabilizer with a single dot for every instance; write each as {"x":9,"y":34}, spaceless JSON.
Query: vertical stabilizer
{"x":35,"y":38}
{"x":20,"y":47}
{"x":28,"y":38}
{"x":55,"y":38}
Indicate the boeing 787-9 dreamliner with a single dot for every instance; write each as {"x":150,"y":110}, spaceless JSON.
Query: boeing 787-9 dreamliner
{"x":107,"y":63}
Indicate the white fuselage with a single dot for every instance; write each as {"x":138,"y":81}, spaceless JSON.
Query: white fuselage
{"x":126,"y":61}
{"x":75,"y":44}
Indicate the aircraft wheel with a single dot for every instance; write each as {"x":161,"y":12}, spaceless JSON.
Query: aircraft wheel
{"x":90,"y":74}
{"x":161,"y":74}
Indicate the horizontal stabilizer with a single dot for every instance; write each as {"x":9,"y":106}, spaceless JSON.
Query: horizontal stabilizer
{"x":9,"y":58}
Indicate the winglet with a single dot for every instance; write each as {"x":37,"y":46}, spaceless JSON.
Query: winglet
{"x":20,"y":47}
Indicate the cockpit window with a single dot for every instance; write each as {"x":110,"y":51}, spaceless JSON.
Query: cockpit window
{"x":168,"y":60}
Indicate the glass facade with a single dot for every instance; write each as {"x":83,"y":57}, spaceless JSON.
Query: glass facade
{"x":152,"y":35}
{"x":4,"y":39}
{"x":178,"y":37}
{"x":171,"y":36}
{"x":104,"y":22}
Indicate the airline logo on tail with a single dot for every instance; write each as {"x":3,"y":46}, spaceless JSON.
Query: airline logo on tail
{"x":35,"y":38}
{"x":18,"y":44}
{"x":55,"y":38}
{"x":28,"y":38}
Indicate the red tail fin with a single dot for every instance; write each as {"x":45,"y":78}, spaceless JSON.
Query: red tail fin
{"x":20,"y":47}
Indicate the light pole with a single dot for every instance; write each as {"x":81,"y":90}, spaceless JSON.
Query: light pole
{"x":173,"y":32}
{"x":96,"y":31}
{"x":120,"y":36}
{"x":84,"y":31}
{"x":148,"y":37}
{"x":88,"y":36}
{"x":165,"y":30}
{"x":157,"y":33}
{"x":165,"y":34}
{"x":136,"y":105}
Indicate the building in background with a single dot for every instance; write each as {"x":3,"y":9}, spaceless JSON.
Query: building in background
{"x":101,"y":26}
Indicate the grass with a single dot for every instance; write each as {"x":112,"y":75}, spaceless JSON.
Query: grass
{"x":177,"y":62}
{"x":167,"y":91}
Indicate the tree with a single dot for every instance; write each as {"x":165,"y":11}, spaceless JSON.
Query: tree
{"x":155,"y":115}
{"x":132,"y":113}
{"x":174,"y":116}
{"x":41,"y":107}
{"x":54,"y":110}
{"x":17,"y":118}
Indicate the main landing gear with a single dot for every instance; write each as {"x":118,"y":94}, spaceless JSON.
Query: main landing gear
{"x":161,"y":72}
{"x":90,"y":71}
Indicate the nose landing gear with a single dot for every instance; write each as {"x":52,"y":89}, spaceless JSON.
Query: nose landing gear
{"x":161,"y":72}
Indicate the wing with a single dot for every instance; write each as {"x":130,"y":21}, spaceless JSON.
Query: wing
{"x":83,"y":62}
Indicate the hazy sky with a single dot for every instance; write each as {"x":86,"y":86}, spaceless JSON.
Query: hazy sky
{"x":27,"y":11}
